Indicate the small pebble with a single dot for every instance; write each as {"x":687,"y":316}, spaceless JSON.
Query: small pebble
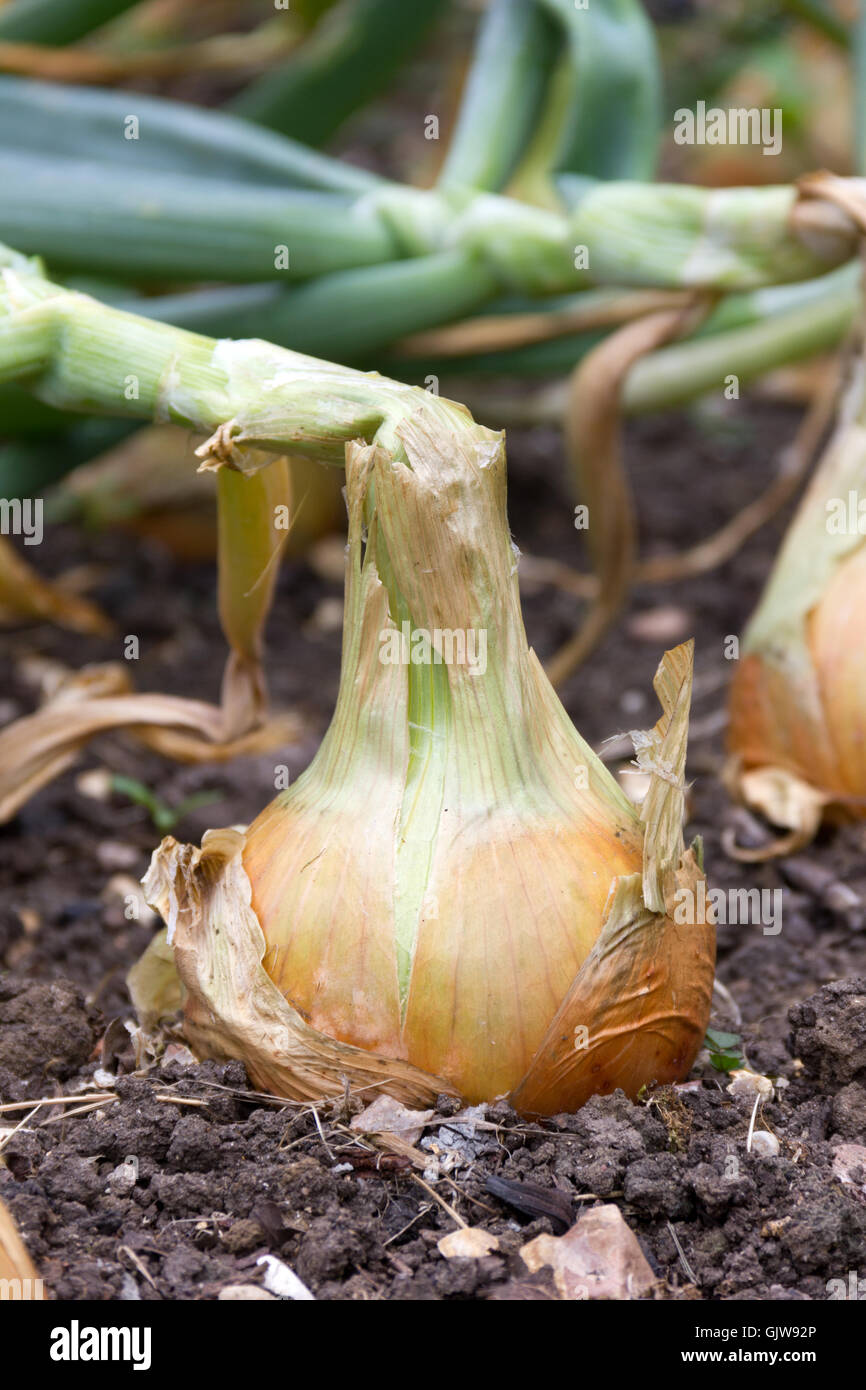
{"x":764,"y":1144}
{"x":665,"y":624}
{"x":632,"y":701}
{"x":114,"y":855}
{"x":96,"y":783}
{"x":327,"y":616}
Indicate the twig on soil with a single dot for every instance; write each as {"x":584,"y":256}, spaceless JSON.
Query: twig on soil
{"x":466,"y":1197}
{"x":57,"y":1100}
{"x":409,"y":1224}
{"x":79,"y":1110}
{"x":441,"y":1200}
{"x":180,"y":1100}
{"x":689,"y":1272}
{"x":758,"y":1099}
{"x":315,"y":1114}
{"x":23,"y":1123}
{"x":140,"y":1266}
{"x":265,"y":1097}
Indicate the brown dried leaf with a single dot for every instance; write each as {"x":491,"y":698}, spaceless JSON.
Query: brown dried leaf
{"x":593,"y":434}
{"x":26,"y":597}
{"x":637,"y":1010}
{"x":661,"y":751}
{"x":638,"y":1007}
{"x":232,"y":1008}
{"x":99,"y":699}
{"x":388,"y":1116}
{"x":784,"y":800}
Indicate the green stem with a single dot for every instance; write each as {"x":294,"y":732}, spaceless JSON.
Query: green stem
{"x":675,"y":375}
{"x":177,"y":226}
{"x":343,"y":316}
{"x":75,"y":353}
{"x":351,"y":55}
{"x":50,"y":120}
{"x":611,"y":123}
{"x":502,"y":95}
{"x":637,"y":234}
{"x":57,"y":21}
{"x":560,"y":355}
{"x":747,"y":334}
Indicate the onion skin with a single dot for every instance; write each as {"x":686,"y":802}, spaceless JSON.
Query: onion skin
{"x":771,"y":724}
{"x":810,"y":720}
{"x":644,"y":996}
{"x":797,"y":730}
{"x":518,"y":912}
{"x":837,"y":640}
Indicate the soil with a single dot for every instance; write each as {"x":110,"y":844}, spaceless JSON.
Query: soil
{"x":181,"y":1179}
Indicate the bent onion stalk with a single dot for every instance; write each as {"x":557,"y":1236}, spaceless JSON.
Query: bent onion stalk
{"x":456,"y":895}
{"x":797,"y":733}
{"x":25,"y":596}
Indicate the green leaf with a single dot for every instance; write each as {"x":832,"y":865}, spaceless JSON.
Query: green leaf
{"x":725,"y":1049}
{"x":49,"y":119}
{"x":502,"y":95}
{"x":349,"y":58}
{"x":57,"y":21}
{"x":610,"y":127}
{"x":163,"y":816}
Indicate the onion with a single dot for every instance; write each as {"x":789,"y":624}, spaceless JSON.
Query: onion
{"x":456,"y":895}
{"x":797,"y":731}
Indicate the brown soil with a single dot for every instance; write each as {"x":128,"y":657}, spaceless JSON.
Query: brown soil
{"x":220,"y":1176}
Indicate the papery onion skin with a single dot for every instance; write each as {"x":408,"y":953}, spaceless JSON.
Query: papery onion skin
{"x":808,"y":716}
{"x":837,"y":640}
{"x":515,"y":922}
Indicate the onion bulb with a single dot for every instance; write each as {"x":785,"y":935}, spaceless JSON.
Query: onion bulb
{"x":797,"y":731}
{"x":456,"y":896}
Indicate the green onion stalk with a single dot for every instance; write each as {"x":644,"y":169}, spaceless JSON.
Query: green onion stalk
{"x":330,"y":259}
{"x":177,"y":226}
{"x":560,"y":110}
{"x":456,"y":895}
{"x":57,"y":21}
